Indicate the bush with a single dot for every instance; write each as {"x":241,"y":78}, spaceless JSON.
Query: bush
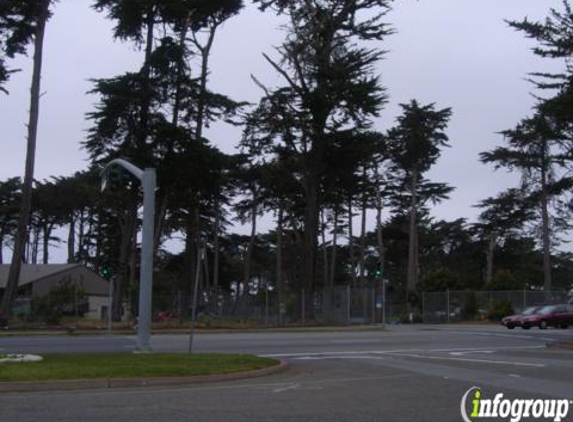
{"x":498,"y":310}
{"x":470,"y":308}
{"x":59,"y":301}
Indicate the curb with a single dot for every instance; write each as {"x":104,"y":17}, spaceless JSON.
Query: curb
{"x":563,"y":345}
{"x":171,"y":331}
{"x":107,"y":383}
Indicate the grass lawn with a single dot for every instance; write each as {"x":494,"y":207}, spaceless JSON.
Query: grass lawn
{"x":124,"y":365}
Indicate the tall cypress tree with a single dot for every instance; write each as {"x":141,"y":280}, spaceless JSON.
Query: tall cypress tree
{"x":33,"y":16}
{"x":415,"y":145}
{"x":329,"y":86}
{"x":502,"y":216}
{"x":534,"y":148}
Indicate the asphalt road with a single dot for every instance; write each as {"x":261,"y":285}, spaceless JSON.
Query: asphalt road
{"x":409,"y":373}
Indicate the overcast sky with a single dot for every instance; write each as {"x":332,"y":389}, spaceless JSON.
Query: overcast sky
{"x":456,"y":53}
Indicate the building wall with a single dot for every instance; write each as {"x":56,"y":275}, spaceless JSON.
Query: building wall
{"x":87,"y":281}
{"x":99,"y":306}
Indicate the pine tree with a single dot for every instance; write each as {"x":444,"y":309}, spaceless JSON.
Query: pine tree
{"x":33,"y":15}
{"x":415,"y":145}
{"x":502,"y":216}
{"x":534,"y":148}
{"x":10,"y":193}
{"x":329,"y":86}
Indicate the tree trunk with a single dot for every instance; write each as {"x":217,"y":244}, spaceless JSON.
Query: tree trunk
{"x":249,"y":253}
{"x":351,"y":244}
{"x":71,"y":240}
{"x":123,"y":272}
{"x":324,"y":248}
{"x":379,"y":238}
{"x":334,"y":248}
{"x":216,"y":246}
{"x":98,"y":246}
{"x":165,"y":190}
{"x":489,"y":258}
{"x":202,"y":100}
{"x":311,"y":217}
{"x":133,"y":275}
{"x":24,"y":217}
{"x":280,"y":281}
{"x":81,"y":235}
{"x":363,"y":235}
{"x":189,"y":264}
{"x":412,"y":276}
{"x":46,"y":246}
{"x":35,"y":245}
{"x":160,"y":221}
{"x":146,"y":100}
{"x":545,"y":229}
{"x":206,"y":275}
{"x":84,"y":249}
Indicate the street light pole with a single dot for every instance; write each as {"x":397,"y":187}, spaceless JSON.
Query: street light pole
{"x":147,"y":178}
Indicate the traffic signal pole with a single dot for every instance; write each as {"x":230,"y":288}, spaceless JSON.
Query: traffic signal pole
{"x":147,"y":178}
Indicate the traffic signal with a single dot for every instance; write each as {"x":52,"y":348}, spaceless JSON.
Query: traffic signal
{"x":378,"y":274}
{"x":104,"y":272}
{"x":116,"y":178}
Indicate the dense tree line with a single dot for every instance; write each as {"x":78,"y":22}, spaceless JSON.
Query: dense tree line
{"x":308,"y":157}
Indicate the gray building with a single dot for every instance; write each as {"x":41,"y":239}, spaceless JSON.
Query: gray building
{"x":38,"y":279}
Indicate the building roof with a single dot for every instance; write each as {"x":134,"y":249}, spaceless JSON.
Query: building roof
{"x":31,"y":273}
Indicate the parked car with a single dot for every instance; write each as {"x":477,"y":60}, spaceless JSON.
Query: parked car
{"x":550,"y":316}
{"x":513,"y":321}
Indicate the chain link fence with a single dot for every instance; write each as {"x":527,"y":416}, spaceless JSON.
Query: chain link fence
{"x":455,"y":306}
{"x":337,"y":306}
{"x":343,"y":305}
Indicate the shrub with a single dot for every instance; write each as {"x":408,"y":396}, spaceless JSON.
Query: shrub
{"x":59,"y":301}
{"x":498,"y":310}
{"x":470,"y":308}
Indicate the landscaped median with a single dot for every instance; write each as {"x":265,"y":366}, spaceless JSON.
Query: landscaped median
{"x":70,"y":371}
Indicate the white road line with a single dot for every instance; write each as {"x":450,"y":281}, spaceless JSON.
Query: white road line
{"x":340,"y":357}
{"x":375,"y":352}
{"x":471,"y":351}
{"x":288,"y":387}
{"x":493,"y":362}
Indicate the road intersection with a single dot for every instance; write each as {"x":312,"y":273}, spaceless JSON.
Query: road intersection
{"x":405,"y":373}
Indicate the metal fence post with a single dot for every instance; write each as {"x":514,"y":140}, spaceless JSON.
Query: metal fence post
{"x":303,"y":306}
{"x":348,"y":304}
{"x":448,"y":305}
{"x":266,"y":306}
{"x":109,"y":320}
{"x":424,"y":307}
{"x":384,"y":298}
{"x":373,"y":293}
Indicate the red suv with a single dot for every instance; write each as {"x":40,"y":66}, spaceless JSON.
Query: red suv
{"x":550,"y":316}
